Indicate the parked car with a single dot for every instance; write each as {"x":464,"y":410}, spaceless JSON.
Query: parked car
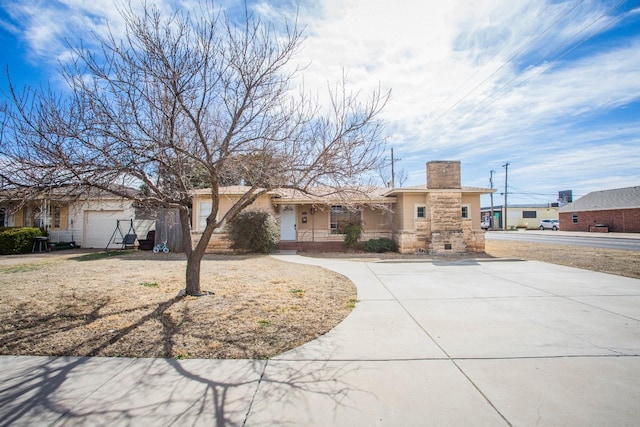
{"x":553,"y":224}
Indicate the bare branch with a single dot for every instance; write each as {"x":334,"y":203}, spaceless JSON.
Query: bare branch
{"x":188,"y":101}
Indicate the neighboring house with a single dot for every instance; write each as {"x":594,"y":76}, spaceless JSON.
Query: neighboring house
{"x":520,"y":216}
{"x":616,"y":210}
{"x":89,"y":222}
{"x":439,"y":217}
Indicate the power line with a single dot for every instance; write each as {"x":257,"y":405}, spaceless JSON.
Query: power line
{"x":503,"y":90}
{"x":515,"y":55}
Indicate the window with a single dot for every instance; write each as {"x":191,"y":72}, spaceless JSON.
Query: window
{"x":421,"y":211}
{"x":574,"y":218}
{"x":203,"y":213}
{"x":27,"y":216}
{"x":465,"y":212}
{"x":341,"y":216}
{"x":529,"y":214}
{"x":56,"y":216}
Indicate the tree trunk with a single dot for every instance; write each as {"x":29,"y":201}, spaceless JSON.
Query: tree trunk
{"x":194,"y":254}
{"x":193,"y":273}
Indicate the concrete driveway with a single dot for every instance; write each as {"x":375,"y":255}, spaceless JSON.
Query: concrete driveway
{"x":473,"y":342}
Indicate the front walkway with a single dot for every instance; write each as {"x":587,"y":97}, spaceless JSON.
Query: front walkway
{"x":470,"y":342}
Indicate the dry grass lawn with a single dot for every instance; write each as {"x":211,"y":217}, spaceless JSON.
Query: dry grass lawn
{"x":127,"y":305}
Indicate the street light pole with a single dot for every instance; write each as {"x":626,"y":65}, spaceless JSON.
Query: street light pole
{"x":506,"y":174}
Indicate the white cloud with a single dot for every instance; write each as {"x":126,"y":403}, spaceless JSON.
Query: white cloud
{"x":485,"y":83}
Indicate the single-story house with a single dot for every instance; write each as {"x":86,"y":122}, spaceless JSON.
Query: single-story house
{"x":306,"y":222}
{"x":438,"y":217}
{"x":96,"y":221}
{"x":616,"y":210}
{"x":520,"y":215}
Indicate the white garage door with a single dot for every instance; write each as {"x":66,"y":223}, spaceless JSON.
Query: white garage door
{"x":99,"y":227}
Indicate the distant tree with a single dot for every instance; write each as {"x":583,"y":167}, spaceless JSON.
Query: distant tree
{"x":186,"y":101}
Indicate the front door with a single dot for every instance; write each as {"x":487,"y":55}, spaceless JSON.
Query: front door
{"x":288,"y":222}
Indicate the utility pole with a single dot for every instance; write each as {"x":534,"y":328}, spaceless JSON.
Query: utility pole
{"x":506,"y":174}
{"x":393,"y":171}
{"x":491,"y":194}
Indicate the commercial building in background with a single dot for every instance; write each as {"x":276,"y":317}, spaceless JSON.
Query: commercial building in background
{"x":527,"y":216}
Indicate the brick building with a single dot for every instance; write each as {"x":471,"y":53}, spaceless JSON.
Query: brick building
{"x":616,"y":210}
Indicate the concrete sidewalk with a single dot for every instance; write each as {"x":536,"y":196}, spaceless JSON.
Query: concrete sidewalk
{"x":471,"y":342}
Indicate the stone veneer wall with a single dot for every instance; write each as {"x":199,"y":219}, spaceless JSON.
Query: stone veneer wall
{"x":219,"y":242}
{"x":474,"y":239}
{"x":414,"y":241}
{"x":446,"y":223}
{"x":410,"y":242}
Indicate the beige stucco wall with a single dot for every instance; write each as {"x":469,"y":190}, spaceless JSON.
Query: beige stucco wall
{"x":405,"y":215}
{"x":376,"y":223}
{"x":473,"y":201}
{"x":415,"y":235}
{"x":316,"y":228}
{"x":226,"y":202}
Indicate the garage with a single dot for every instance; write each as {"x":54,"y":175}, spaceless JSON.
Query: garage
{"x":99,"y":227}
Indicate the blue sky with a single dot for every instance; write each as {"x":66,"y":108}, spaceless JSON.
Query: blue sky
{"x":551,"y":87}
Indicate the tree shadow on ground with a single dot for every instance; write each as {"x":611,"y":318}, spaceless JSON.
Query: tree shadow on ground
{"x":27,"y":326}
{"x":85,"y":391}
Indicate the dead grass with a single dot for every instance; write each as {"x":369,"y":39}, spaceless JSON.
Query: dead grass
{"x":622,"y":263}
{"x":127,"y":305}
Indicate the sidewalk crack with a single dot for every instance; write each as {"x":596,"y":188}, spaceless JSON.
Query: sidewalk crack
{"x":255,"y":393}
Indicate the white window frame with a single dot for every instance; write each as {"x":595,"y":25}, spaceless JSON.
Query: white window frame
{"x":340,"y":210}
{"x":462,"y":211}
{"x":202,"y":215}
{"x":416,"y":207}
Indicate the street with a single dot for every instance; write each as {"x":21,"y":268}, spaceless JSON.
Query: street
{"x":620,"y":241}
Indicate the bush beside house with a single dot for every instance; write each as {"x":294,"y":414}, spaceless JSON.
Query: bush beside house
{"x":380,"y":245}
{"x":17,"y":240}
{"x":254,"y":231}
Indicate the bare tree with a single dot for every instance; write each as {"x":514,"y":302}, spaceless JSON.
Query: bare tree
{"x":185,"y":101}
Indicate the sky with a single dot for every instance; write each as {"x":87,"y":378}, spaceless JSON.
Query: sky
{"x":551,"y":88}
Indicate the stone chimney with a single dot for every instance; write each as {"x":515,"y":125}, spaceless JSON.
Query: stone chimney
{"x":446,"y":207}
{"x":443,"y":174}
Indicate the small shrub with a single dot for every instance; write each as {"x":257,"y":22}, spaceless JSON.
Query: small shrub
{"x":17,"y":240}
{"x":254,"y":231}
{"x":380,"y":245}
{"x":352,"y":233}
{"x":149,"y":284}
